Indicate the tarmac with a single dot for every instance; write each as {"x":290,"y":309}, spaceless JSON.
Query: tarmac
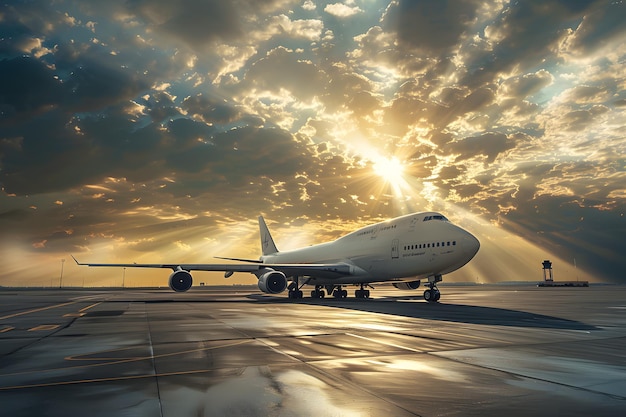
{"x":481,"y":351}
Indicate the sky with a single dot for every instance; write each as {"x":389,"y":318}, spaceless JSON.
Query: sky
{"x":158,"y":131}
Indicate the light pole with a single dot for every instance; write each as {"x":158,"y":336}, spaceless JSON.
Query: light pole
{"x":123,"y":277}
{"x":61,"y":279}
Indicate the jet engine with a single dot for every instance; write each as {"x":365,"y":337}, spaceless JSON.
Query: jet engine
{"x":413,"y":285}
{"x":180,"y":280}
{"x":273,"y":282}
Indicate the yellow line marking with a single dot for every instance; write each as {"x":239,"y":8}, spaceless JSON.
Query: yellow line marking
{"x":73,"y":315}
{"x":44,"y":327}
{"x":117,"y":361}
{"x":386,"y":343}
{"x":7,"y":329}
{"x":36,"y":310}
{"x":115,"y":378}
{"x":82,"y":310}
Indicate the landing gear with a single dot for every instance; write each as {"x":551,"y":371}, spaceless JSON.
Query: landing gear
{"x":339,"y":292}
{"x":432,"y":294}
{"x":294,"y":291}
{"x":295,"y":294}
{"x":318,"y":292}
{"x":362,"y":293}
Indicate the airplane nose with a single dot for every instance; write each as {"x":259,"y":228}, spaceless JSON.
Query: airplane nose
{"x":470,"y":245}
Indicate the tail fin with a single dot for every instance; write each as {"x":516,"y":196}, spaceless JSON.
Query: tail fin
{"x":268,"y":247}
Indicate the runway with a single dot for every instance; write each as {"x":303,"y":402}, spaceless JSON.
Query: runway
{"x":482,"y":351}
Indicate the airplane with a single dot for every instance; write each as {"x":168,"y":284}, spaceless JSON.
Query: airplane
{"x":403,"y":251}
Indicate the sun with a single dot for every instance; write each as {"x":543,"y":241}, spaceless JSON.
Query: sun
{"x":389,"y":169}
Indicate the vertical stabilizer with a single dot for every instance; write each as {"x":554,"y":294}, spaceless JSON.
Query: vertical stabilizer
{"x":267,"y":243}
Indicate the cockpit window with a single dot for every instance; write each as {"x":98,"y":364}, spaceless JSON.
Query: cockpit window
{"x":436,"y":217}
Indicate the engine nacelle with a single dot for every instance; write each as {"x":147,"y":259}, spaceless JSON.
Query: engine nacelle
{"x":413,"y":285}
{"x":180,"y":280}
{"x":273,"y":282}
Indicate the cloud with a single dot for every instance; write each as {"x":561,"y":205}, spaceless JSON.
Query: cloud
{"x":342,"y":10}
{"x":196,"y":23}
{"x":489,"y":145}
{"x":29,"y":88}
{"x":598,"y":29}
{"x":430,"y":26}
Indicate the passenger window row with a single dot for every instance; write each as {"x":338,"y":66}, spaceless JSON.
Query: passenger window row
{"x":429,"y":245}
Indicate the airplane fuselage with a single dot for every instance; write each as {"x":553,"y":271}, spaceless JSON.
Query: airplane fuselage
{"x":414,"y":246}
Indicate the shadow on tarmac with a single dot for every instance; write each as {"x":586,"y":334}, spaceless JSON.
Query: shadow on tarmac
{"x":416,"y":307}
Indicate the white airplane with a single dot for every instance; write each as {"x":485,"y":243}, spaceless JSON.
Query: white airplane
{"x":403,"y":251}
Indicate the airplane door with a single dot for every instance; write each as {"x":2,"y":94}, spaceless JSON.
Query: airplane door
{"x":395,"y":249}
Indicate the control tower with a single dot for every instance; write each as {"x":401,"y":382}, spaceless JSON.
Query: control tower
{"x":547,"y":271}
{"x":548,"y":278}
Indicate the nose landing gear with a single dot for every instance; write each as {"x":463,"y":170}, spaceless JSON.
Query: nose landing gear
{"x":432,"y":294}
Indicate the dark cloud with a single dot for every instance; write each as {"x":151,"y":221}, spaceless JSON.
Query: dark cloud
{"x":602,"y":25}
{"x":525,"y":35}
{"x":195,"y":22}
{"x":28,"y":88}
{"x":579,"y":119}
{"x":432,"y":26}
{"x":284,"y":69}
{"x":211,"y":110}
{"x":527,"y":84}
{"x":490,"y":145}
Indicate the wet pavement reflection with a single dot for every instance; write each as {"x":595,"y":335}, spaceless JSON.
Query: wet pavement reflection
{"x":482,"y":351}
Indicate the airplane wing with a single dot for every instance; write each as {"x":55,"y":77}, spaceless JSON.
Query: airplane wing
{"x":333,"y":270}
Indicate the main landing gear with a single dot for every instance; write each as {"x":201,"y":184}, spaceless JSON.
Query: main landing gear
{"x":318,"y":292}
{"x":362,"y":293}
{"x":432,"y":294}
{"x":339,"y":292}
{"x":295,"y":293}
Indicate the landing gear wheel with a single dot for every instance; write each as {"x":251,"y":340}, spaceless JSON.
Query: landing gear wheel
{"x":432,"y":295}
{"x":317,"y":293}
{"x":339,"y":293}
{"x":295,"y":294}
{"x":362,"y":293}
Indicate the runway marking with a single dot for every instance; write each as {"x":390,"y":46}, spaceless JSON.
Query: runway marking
{"x":44,"y":327}
{"x":140,"y":358}
{"x":110,"y":379}
{"x":82,"y":311}
{"x":386,"y":343}
{"x":10,"y":316}
{"x":466,"y":335}
{"x":6,"y":329}
{"x":116,"y":361}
